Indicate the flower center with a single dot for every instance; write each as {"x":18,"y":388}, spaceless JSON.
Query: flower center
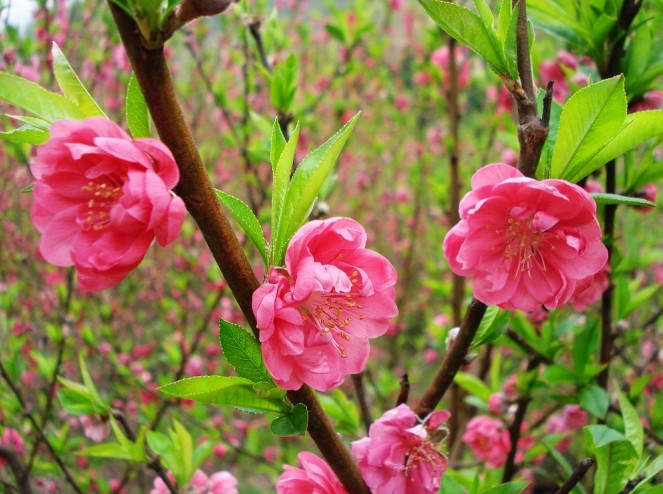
{"x":332,"y":313}
{"x":521,"y":244}
{"x":421,"y":450}
{"x":96,"y":213}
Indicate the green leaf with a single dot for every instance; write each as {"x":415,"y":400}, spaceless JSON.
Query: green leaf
{"x":584,"y":346}
{"x":595,"y":400}
{"x":75,"y":402}
{"x":509,"y":488}
{"x":632,"y":424}
{"x":557,"y":374}
{"x":603,"y":198}
{"x":242,"y":213}
{"x":484,"y":11}
{"x":282,"y":174}
{"x":451,"y":486}
{"x":614,"y":464}
{"x":597,"y":436}
{"x":283,"y":84}
{"x":343,"y":411}
{"x":492,"y":326}
{"x":473,"y":385}
{"x":292,"y":424}
{"x":637,"y":128}
{"x":107,"y":450}
{"x":71,"y":85}
{"x":135,"y":108}
{"x":243,"y":352}
{"x":222,"y":390}
{"x":590,"y":119}
{"x":184,"y":448}
{"x":305,"y":186}
{"x":33,"y":98}
{"x":26,"y":134}
{"x":278,"y":144}
{"x":163,"y":446}
{"x":468,"y":28}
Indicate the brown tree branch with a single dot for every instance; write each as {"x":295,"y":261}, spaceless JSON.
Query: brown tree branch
{"x":195,"y":188}
{"x":532,"y":130}
{"x":453,"y":360}
{"x":576,"y":476}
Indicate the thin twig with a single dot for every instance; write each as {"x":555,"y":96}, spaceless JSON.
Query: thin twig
{"x":152,"y":463}
{"x":15,"y":465}
{"x":576,"y":476}
{"x":357,"y":380}
{"x":404,"y":393}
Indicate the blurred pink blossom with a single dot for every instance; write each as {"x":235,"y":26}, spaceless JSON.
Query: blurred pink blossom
{"x":489,"y":440}
{"x":100,"y":199}
{"x":649,"y":192}
{"x":440,"y":58}
{"x":524,"y":242}
{"x":13,"y":440}
{"x":218,"y":483}
{"x":589,"y":290}
{"x":314,"y":476}
{"x":317,"y":314}
{"x":653,"y":100}
{"x":400,"y":454}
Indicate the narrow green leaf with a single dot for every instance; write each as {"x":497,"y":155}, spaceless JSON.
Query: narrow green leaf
{"x":492,"y":326}
{"x":590,"y":119}
{"x":278,"y":144}
{"x":89,"y":383}
{"x":595,"y":400}
{"x":282,"y":174}
{"x":637,"y":128}
{"x":184,"y":448}
{"x":503,"y":17}
{"x":509,"y":45}
{"x":557,"y":374}
{"x":31,"y":97}
{"x":632,"y":424}
{"x":26,"y":134}
{"x":305,"y":186}
{"x":135,"y":109}
{"x":163,"y":446}
{"x":36,"y":122}
{"x":466,"y":27}
{"x":222,"y":390}
{"x":653,"y":468}
{"x":243,"y":352}
{"x":509,"y":488}
{"x":107,"y":450}
{"x":603,"y":198}
{"x":71,"y":85}
{"x":485,"y":13}
{"x":242,"y":213}
{"x":292,"y":424}
{"x":473,"y":385}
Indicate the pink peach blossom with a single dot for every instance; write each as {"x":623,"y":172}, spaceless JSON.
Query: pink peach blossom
{"x":101,"y":198}
{"x":401,"y":454}
{"x":525,"y":243}
{"x":489,"y":440}
{"x":317,"y":314}
{"x":649,"y":192}
{"x":313,"y":477}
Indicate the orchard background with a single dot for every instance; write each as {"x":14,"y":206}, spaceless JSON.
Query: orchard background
{"x":578,"y":391}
